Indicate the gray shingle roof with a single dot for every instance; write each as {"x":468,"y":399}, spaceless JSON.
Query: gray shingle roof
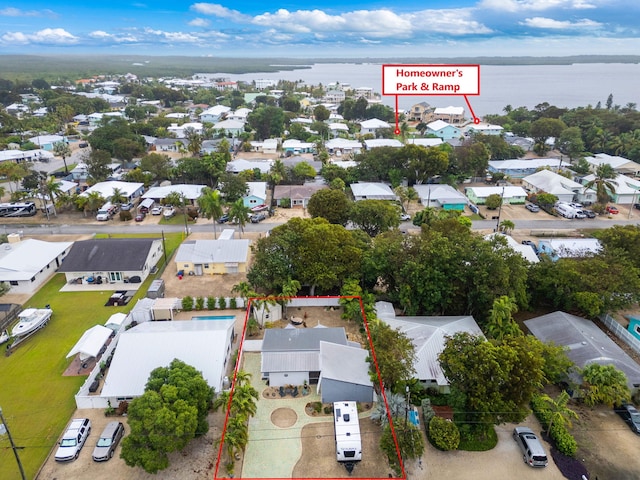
{"x":127,"y":254}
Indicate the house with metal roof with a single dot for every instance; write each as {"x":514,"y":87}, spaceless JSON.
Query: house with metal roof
{"x":298,"y":194}
{"x":211,"y":257}
{"x":428,"y":335}
{"x":620,"y":165}
{"x":441,"y":196}
{"x":129,"y":190}
{"x":112,"y":263}
{"x":443,"y":130}
{"x":344,"y":374}
{"x":256,"y":194}
{"x":510,"y":195}
{"x":372,"y":191}
{"x":562,"y":187}
{"x":372,"y":126}
{"x":521,"y":167}
{"x":205,"y":345}
{"x":507,"y":241}
{"x":556,"y":248}
{"x":586,"y":343}
{"x":190,"y":192}
{"x":382,"y":142}
{"x":240,"y":165}
{"x":25,"y":265}
{"x":627,"y":189}
{"x":320,"y":355}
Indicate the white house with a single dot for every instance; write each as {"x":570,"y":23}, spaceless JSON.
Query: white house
{"x":620,"y":165}
{"x":190,"y":192}
{"x":212,"y":257}
{"x":526,"y":251}
{"x":372,"y":191}
{"x":214,"y":114}
{"x":239,"y":115}
{"x":230,"y":127}
{"x":204,"y":345}
{"x":428,"y":335}
{"x":557,"y":248}
{"x":180,"y":131}
{"x":627,"y":189}
{"x":241,"y":165}
{"x":372,"y":126}
{"x":382,"y":142}
{"x":484,"y":129}
{"x":441,"y":196}
{"x":129,"y":190}
{"x":343,"y":146}
{"x":425,"y":142}
{"x":25,"y":265}
{"x":564,"y":188}
{"x":296,"y":146}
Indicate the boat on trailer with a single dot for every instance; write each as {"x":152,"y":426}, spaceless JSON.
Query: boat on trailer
{"x":30,"y":320}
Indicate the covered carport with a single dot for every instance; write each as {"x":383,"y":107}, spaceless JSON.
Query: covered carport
{"x":91,"y":343}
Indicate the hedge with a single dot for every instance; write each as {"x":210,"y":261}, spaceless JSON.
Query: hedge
{"x":563,"y":440}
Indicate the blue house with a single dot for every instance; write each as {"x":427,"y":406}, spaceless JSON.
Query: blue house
{"x":256,"y":195}
{"x":557,"y":248}
{"x":634,"y":326}
{"x":443,"y":130}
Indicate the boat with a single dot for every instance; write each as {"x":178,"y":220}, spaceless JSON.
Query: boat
{"x":4,"y":337}
{"x":260,"y":208}
{"x":30,"y":320}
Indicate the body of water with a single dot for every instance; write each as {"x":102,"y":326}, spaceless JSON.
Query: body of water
{"x":569,"y":86}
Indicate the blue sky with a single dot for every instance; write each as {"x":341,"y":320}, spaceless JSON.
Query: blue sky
{"x":328,"y":28}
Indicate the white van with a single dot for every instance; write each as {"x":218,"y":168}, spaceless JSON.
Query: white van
{"x":106,"y":211}
{"x":566,"y":210}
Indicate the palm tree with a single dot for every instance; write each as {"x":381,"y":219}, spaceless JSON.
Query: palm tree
{"x":289,"y":289}
{"x":61,"y":149}
{"x":94,"y":202}
{"x":239,"y":212}
{"x":560,"y":413}
{"x":501,"y":323}
{"x":210,"y":206}
{"x":245,"y":291}
{"x":117,"y":196}
{"x":602,"y":181}
{"x":507,"y":226}
{"x":53,"y":191}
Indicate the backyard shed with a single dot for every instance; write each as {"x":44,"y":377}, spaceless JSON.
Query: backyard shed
{"x":156,"y":289}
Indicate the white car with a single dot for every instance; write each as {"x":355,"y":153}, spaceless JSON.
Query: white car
{"x":73,"y":440}
{"x":156,"y":211}
{"x":405,"y":216}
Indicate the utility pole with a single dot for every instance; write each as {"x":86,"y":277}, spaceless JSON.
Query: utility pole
{"x":13,"y":445}
{"x":500,"y":211}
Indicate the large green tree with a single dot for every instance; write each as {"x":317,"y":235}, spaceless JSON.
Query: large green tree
{"x":604,"y":384}
{"x":313,"y":251}
{"x":172,"y":411}
{"x":374,"y":216}
{"x":496,"y":379}
{"x":334,"y":205}
{"x":393,"y":353}
{"x":267,"y":121}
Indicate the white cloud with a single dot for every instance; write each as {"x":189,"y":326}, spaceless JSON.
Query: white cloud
{"x":536,"y":5}
{"x":16,"y":12}
{"x":102,"y":35}
{"x":217,"y":10}
{"x":455,"y":22}
{"x":199,"y":22}
{"x":47,"y":36}
{"x":550,"y":23}
{"x":173,"y":36}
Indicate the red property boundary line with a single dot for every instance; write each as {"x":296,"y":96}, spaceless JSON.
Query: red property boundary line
{"x":375,"y":362}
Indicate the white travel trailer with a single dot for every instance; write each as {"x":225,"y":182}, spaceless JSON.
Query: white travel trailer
{"x":347,"y":431}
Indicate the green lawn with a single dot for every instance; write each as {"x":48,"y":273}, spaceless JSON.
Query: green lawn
{"x":36,"y":400}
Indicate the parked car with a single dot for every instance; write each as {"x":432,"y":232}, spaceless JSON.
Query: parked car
{"x":168,"y":212}
{"x":224,"y":218}
{"x":126,"y":206}
{"x":589,"y":213}
{"x":629,"y":414}
{"x":73,"y":440}
{"x":258,"y":217}
{"x":636,"y":206}
{"x":405,"y":217}
{"x":140,"y":216}
{"x":532,"y":207}
{"x":580,"y":214}
{"x":533,"y":453}
{"x":612,"y":210}
{"x":156,"y":211}
{"x":108,"y":441}
{"x":83,"y":145}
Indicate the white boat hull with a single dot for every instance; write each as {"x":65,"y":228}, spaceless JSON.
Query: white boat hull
{"x":31,"y":320}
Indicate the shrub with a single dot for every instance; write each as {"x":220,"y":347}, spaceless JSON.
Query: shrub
{"x":187,"y":303}
{"x":563,"y":440}
{"x":565,"y":443}
{"x":199,"y":303}
{"x":427,"y":412}
{"x":222,"y":303}
{"x":317,"y":407}
{"x":233,"y":303}
{"x":328,"y":409}
{"x":444,"y":434}
{"x":211,"y":303}
{"x":125,"y":216}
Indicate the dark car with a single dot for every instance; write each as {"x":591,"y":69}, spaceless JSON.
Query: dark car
{"x":636,"y":205}
{"x":258,"y":217}
{"x":629,"y":414}
{"x":224,"y":218}
{"x":108,"y":441}
{"x":589,"y":213}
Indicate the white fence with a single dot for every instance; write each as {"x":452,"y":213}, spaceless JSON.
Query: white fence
{"x":621,"y":332}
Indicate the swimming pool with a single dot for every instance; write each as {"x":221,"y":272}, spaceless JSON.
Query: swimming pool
{"x":215,"y":317}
